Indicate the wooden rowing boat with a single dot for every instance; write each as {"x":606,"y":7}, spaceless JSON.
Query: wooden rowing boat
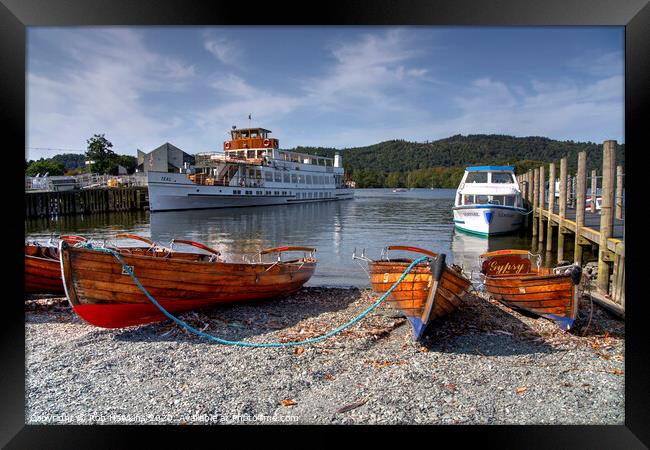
{"x":547,"y":292}
{"x":431,"y":290}
{"x":42,"y":267}
{"x":102,"y":292}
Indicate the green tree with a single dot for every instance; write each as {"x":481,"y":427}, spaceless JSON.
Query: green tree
{"x":127,"y":161}
{"x":100,"y":153}
{"x":43,"y":166}
{"x":393,"y":180}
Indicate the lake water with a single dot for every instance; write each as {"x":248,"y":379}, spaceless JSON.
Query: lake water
{"x":374,"y":219}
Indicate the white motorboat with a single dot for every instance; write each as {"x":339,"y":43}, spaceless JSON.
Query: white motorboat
{"x":488,"y":201}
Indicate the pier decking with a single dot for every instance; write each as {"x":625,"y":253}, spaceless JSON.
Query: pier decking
{"x":562,"y":220}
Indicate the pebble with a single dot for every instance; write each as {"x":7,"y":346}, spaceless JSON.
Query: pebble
{"x":468,"y":370}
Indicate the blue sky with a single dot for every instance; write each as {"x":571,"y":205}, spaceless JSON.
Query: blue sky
{"x":322,"y":86}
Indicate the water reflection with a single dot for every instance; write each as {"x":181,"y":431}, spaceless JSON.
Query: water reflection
{"x":374,"y":219}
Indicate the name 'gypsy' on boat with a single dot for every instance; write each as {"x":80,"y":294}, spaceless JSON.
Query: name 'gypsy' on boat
{"x":252,"y":171}
{"x":488,"y":201}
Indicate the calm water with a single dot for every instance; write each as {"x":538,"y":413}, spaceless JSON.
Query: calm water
{"x":374,"y":219}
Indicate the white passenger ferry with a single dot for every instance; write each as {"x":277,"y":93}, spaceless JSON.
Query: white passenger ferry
{"x":251,"y":171}
{"x":488,"y":201}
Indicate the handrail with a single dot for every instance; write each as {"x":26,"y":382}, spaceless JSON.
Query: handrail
{"x":505,"y":252}
{"x":412,"y":249}
{"x":287,"y":249}
{"x":72,"y":238}
{"x":197,"y":245}
{"x":135,"y":237}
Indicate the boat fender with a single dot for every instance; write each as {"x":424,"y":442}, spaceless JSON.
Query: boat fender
{"x":437,"y":266}
{"x":227,"y":145}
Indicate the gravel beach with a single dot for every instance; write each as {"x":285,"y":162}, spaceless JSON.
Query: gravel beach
{"x":483,"y":364}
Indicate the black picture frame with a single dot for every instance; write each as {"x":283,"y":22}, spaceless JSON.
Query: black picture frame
{"x":16,"y":15}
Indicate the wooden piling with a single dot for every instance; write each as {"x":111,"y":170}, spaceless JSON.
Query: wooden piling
{"x":551,"y":206}
{"x":536,"y":211}
{"x":562,"y":210}
{"x":581,"y":187}
{"x":540,"y":233}
{"x":86,"y":201}
{"x":619,"y":192}
{"x":594,"y":189}
{"x":606,"y":215}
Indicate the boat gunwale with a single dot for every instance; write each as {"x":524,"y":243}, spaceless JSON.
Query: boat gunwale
{"x":171,"y":259}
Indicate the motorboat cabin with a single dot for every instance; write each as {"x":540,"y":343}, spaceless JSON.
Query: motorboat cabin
{"x":488,"y":201}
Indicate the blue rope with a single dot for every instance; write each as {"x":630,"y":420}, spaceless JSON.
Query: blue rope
{"x":249,"y":344}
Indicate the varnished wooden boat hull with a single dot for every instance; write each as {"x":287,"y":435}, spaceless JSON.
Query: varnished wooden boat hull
{"x":410,"y":296}
{"x":43,"y":268}
{"x":42,"y":271}
{"x":511,"y":279}
{"x":552,"y":296}
{"x":105,"y":296}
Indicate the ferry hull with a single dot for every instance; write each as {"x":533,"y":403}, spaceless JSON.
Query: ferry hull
{"x":488,"y":221}
{"x":170,"y":192}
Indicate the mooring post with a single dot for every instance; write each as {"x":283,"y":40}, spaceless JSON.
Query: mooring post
{"x":535,"y":201}
{"x":619,"y":192}
{"x":594,"y":189}
{"x":562,"y":210}
{"x":540,"y":234}
{"x":551,"y":207}
{"x":606,"y":215}
{"x":581,"y":188}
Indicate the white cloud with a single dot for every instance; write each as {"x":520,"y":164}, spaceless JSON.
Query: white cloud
{"x":106,"y":80}
{"x":598,"y":63}
{"x":100,"y":88}
{"x":223,"y":49}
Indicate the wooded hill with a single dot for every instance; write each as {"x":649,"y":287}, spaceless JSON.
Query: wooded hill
{"x":400,"y":163}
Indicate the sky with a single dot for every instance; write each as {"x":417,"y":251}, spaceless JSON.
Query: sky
{"x":319,"y":86}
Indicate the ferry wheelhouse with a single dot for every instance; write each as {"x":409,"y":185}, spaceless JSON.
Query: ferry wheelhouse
{"x":251,"y":171}
{"x":488,"y":201}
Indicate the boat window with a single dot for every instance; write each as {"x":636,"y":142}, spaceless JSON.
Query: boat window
{"x":278,"y":177}
{"x":509,"y":200}
{"x":500,"y":177}
{"x":294,"y":178}
{"x":481,"y":199}
{"x":468,"y":199}
{"x":495,"y":199}
{"x":254,"y":134}
{"x":268,"y":176}
{"x":309,"y":180}
{"x":476,"y":177}
{"x":286,"y":178}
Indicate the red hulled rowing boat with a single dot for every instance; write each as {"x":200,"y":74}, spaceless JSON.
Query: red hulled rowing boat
{"x":102,"y":292}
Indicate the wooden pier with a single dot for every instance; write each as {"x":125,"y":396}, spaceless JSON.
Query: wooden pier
{"x":85,"y":201}
{"x":563,"y":223}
